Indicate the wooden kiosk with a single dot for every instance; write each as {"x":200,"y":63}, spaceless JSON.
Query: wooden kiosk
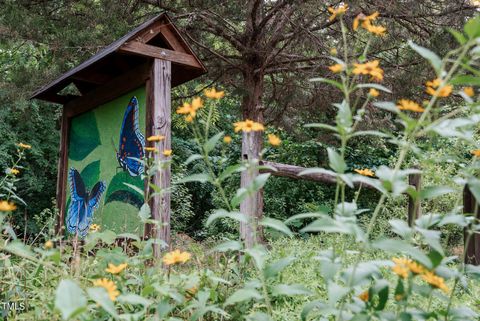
{"x":135,"y":72}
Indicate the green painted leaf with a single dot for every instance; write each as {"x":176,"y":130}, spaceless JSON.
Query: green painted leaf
{"x":84,"y":136}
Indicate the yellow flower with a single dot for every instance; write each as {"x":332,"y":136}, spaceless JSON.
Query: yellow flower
{"x":369,"y":68}
{"x":6,"y":206}
{"x":24,"y":146}
{"x":115,"y":269}
{"x":434,"y":88}
{"x":336,"y":68}
{"x":367,"y":23}
{"x":415,"y":268}
{"x":476,"y":152}
{"x":167,"y":152}
{"x":378,"y":30}
{"x":155,"y":138}
{"x":365,"y":172}
{"x":48,"y":245}
{"x":435,"y":281}
{"x":274,"y":140}
{"x":364,"y":296}
{"x":176,"y":257}
{"x":373,"y":92}
{"x":401,"y":271}
{"x":190,"y":293}
{"x":186,"y":108}
{"x":469,"y":91}
{"x":108,"y":285}
{"x":398,"y":297}
{"x":197,"y":103}
{"x":94,"y":228}
{"x":333,"y":51}
{"x":406,"y":104}
{"x":214,"y":94}
{"x":151,"y":149}
{"x":340,"y":10}
{"x":189,"y":118}
{"x":248,"y":126}
{"x":227,"y":139}
{"x":14,"y":171}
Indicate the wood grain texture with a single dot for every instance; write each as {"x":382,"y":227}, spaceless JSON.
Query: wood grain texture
{"x":62,"y":172}
{"x":414,"y":207}
{"x":159,"y":123}
{"x":141,"y":49}
{"x":472,"y":243}
{"x":252,"y":206}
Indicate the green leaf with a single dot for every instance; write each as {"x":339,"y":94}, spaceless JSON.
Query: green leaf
{"x":386,"y":105}
{"x":100,"y":296}
{"x":218,"y":214}
{"x":228,"y":246}
{"x":465,"y":80}
{"x":19,"y":248}
{"x":193,"y":158}
{"x":472,"y":27}
{"x":328,"y":81}
{"x":292,"y":289}
{"x":136,"y":189}
{"x":259,"y":316}
{"x":212,"y":142}
{"x":431,"y":192}
{"x":322,"y":126}
{"x":201,"y":177}
{"x":70,"y":299}
{"x":399,"y":246}
{"x":243,"y":295}
{"x":145,"y":212}
{"x":134,"y":299}
{"x":273,"y":269}
{"x":458,"y":36}
{"x":376,"y":86}
{"x":259,"y":182}
{"x":336,"y":161}
{"x":303,"y":216}
{"x":276,"y":225}
{"x":432,"y":57}
{"x":230,"y":170}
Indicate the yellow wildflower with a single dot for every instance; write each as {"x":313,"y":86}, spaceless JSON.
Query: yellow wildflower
{"x":155,"y":138}
{"x":214,"y":94}
{"x":398,"y":297}
{"x":48,"y":245}
{"x":176,"y":257}
{"x":24,"y":146}
{"x":189,"y":118}
{"x":377,"y":30}
{"x":6,"y":206}
{"x":373,"y":92}
{"x":340,"y":10}
{"x":197,"y":103}
{"x":401,"y":271}
{"x":469,"y":91}
{"x":369,"y":68}
{"x":333,"y":51}
{"x":167,"y":152}
{"x":94,"y":228}
{"x":367,"y":23}
{"x":248,"y":126}
{"x":336,"y":68}
{"x":115,"y":269}
{"x":151,"y":149}
{"x":406,"y":104}
{"x":108,"y":285}
{"x":190,"y":293}
{"x":415,"y":268}
{"x":274,"y":140}
{"x":435,"y":281}
{"x":14,"y":171}
{"x":227,"y":139}
{"x":476,"y":152}
{"x":434,"y":88}
{"x":364,"y":296}
{"x":365,"y":172}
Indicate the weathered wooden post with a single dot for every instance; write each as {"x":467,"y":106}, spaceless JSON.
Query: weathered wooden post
{"x":471,"y":242}
{"x":123,"y":97}
{"x":414,"y":206}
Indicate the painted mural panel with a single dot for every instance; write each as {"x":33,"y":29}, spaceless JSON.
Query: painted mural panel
{"x":105,"y":147}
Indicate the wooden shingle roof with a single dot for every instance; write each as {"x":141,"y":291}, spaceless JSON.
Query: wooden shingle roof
{"x":155,"y":38}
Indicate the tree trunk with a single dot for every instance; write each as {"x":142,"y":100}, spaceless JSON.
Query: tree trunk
{"x":252,"y":143}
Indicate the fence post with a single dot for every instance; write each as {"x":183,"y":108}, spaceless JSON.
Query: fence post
{"x":472,"y":249}
{"x":414,"y":208}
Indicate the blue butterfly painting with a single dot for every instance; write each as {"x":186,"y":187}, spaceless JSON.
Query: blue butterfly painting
{"x":83,"y":203}
{"x":131,"y":147}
